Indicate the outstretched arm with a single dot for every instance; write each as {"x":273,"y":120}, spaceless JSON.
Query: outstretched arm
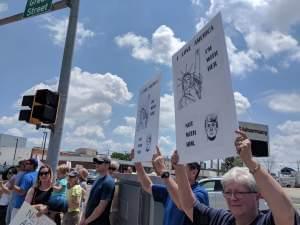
{"x":172,"y":187}
{"x":142,"y":176}
{"x":279,"y":203}
{"x":186,"y":196}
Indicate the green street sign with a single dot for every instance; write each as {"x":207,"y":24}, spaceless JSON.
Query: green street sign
{"x":35,"y":7}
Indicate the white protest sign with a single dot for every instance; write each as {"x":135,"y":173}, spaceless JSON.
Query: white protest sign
{"x":147,"y":120}
{"x":27,"y":215}
{"x":204,"y":104}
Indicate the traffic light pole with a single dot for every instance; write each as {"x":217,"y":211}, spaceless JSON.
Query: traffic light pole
{"x":63,"y":87}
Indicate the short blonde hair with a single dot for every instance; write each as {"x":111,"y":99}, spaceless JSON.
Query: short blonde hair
{"x":63,"y":168}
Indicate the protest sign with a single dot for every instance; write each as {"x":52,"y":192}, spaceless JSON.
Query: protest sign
{"x":27,"y":215}
{"x":147,"y":120}
{"x":204,"y":104}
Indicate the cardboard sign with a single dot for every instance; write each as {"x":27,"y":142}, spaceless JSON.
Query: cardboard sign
{"x":147,"y":120}
{"x":27,"y":215}
{"x":259,"y":136}
{"x":204,"y":103}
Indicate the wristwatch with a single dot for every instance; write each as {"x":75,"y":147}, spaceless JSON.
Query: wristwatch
{"x":165,"y":174}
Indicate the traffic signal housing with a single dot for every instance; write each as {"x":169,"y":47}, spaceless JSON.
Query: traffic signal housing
{"x":25,"y":114}
{"x":43,"y":107}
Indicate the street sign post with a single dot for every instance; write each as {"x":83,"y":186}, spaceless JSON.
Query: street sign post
{"x":36,"y":7}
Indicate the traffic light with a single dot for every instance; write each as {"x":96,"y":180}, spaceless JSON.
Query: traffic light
{"x":43,"y":107}
{"x":25,"y":114}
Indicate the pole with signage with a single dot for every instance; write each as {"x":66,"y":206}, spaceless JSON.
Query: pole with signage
{"x":36,"y":7}
{"x":63,"y":87}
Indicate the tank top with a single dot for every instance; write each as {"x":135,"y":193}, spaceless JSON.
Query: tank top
{"x":41,"y":197}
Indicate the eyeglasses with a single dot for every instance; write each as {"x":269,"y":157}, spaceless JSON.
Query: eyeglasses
{"x":44,"y":173}
{"x":112,"y":168}
{"x":238,"y":194}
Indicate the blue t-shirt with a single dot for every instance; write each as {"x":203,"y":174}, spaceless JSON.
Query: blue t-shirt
{"x":63,"y":192}
{"x":26,"y":182}
{"x":102,"y":189}
{"x":203,"y":215}
{"x":173,"y":215}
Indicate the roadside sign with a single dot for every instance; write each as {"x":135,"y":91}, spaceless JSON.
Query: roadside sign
{"x":259,"y":136}
{"x":36,"y":7}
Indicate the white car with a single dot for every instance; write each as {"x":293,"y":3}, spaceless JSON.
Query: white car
{"x":215,"y":193}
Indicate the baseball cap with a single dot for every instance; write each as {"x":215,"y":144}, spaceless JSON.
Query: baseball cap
{"x":73,"y":174}
{"x":101,"y":159}
{"x":34,"y":162}
{"x":194,"y":165}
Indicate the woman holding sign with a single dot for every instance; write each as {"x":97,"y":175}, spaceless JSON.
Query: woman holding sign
{"x":241,"y":187}
{"x":39,"y":195}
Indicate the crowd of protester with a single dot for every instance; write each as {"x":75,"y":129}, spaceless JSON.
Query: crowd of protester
{"x":66,"y":199}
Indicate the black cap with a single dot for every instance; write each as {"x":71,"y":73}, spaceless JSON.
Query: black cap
{"x":73,"y":174}
{"x":102,"y":159}
{"x":194,"y":165}
{"x":34,"y":162}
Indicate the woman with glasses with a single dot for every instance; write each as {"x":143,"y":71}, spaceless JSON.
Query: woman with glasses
{"x":241,"y":187}
{"x":39,"y":195}
{"x":5,"y":193}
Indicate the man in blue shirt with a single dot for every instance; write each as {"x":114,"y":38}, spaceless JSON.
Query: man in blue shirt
{"x":168,"y":194}
{"x":101,"y":195}
{"x":25,"y":183}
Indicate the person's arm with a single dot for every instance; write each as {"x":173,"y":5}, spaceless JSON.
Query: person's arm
{"x":186,"y":195}
{"x":5,"y":188}
{"x":142,"y":176}
{"x":279,"y":203}
{"x":18,"y":190}
{"x":97,"y":211}
{"x":172,"y":187}
{"x":29,"y":195}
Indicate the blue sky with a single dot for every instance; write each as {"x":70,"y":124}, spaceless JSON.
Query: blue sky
{"x":122,"y":44}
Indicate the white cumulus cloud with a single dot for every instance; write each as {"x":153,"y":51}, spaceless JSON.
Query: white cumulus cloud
{"x":242,"y":103}
{"x":159,"y":49}
{"x":58,"y":31}
{"x":284,"y":102}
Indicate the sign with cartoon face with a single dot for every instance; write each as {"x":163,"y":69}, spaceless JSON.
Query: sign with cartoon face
{"x":27,"y":215}
{"x":204,"y":104}
{"x":147,"y":120}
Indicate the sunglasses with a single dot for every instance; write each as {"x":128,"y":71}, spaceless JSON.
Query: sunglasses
{"x":44,"y":173}
{"x":112,"y":168}
{"x":98,"y":162}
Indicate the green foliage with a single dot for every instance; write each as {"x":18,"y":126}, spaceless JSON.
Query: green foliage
{"x":231,"y":162}
{"x":120,"y":156}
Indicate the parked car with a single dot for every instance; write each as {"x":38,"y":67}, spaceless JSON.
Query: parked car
{"x":287,"y":181}
{"x":91,"y":176}
{"x":215,"y":193}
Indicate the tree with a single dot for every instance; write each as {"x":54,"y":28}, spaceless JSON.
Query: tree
{"x":120,"y":156}
{"x":231,"y":162}
{"x":269,"y":163}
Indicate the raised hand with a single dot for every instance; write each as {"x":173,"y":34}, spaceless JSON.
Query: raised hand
{"x":243,"y":146}
{"x":158,"y":162}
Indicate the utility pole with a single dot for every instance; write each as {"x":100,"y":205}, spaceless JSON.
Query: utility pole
{"x":63,"y":87}
{"x":64,"y":80}
{"x":16,"y":147}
